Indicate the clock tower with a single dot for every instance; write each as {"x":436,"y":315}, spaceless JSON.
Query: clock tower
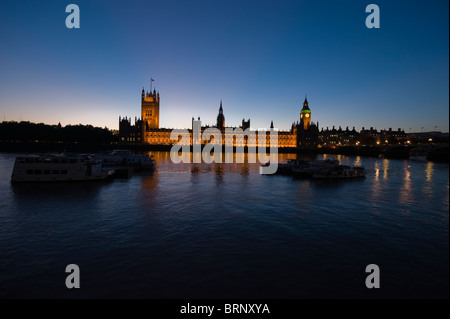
{"x":305,"y":115}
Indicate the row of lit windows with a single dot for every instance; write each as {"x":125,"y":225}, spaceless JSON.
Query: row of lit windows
{"x":167,"y":134}
{"x":171,"y":142}
{"x":45,"y":172}
{"x":30,"y":160}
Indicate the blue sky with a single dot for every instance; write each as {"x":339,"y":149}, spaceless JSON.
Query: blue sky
{"x":259,"y":57}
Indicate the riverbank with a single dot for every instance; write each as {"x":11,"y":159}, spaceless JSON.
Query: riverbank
{"x":439,"y":154}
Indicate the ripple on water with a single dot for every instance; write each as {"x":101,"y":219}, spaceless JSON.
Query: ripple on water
{"x":224,"y":231}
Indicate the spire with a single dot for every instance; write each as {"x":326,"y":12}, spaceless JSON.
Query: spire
{"x":220,"y":109}
{"x":305,"y":104}
{"x":271,"y":124}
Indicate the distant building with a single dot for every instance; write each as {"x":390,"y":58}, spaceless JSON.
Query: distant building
{"x":347,"y":137}
{"x":303,"y":134}
{"x":307,"y":131}
{"x":220,"y":118}
{"x":146,"y":130}
{"x":150,"y":110}
{"x":246,"y":124}
{"x":369,"y":137}
{"x":393,"y":137}
{"x":426,"y":137}
{"x":338,"y":137}
{"x":128,"y":133}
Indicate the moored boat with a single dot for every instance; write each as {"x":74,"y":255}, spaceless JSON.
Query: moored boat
{"x":126,"y":159}
{"x":58,"y":168}
{"x":320,"y":169}
{"x":302,"y":168}
{"x":309,"y":168}
{"x":341,"y":172}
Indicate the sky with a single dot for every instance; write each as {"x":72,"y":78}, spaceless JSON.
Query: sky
{"x":259,"y":57}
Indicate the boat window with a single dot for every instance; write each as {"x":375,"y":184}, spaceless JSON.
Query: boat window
{"x":73,"y":160}
{"x":64,"y":171}
{"x":46,"y":171}
{"x":20,"y":160}
{"x":64,"y":161}
{"x":56,"y":160}
{"x":29,"y":172}
{"x":37,"y":171}
{"x":29,"y":160}
{"x":56,"y":172}
{"x":38,"y":160}
{"x":47,"y":160}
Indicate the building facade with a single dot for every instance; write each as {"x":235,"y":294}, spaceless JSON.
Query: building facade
{"x":307,"y":131}
{"x":338,"y":137}
{"x":146,"y":130}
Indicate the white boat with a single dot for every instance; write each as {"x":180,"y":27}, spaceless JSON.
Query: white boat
{"x":124,"y":158}
{"x":58,"y":168}
{"x":341,"y":172}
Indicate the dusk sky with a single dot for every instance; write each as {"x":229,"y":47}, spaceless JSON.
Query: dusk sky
{"x":259,"y":57}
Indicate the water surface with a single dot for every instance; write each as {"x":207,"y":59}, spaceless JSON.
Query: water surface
{"x":224,"y":231}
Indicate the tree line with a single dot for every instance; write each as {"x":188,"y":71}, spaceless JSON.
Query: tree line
{"x":43,"y":133}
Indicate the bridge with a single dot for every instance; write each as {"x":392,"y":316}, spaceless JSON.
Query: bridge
{"x":433,"y":152}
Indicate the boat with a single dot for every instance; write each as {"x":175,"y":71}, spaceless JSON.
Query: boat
{"x":309,"y":168}
{"x":125,"y":159}
{"x":303,"y":168}
{"x":284,"y":168}
{"x":341,"y":172}
{"x":320,"y":169}
{"x":58,"y":168}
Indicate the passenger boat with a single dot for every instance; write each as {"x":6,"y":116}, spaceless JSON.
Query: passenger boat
{"x":58,"y":168}
{"x":309,"y":168}
{"x":320,"y":169}
{"x":341,"y":172}
{"x":302,"y":168}
{"x":124,"y":158}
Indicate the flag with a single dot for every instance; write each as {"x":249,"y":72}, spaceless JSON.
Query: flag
{"x":152,"y":79}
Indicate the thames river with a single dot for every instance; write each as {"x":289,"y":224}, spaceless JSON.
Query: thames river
{"x":225,"y":231}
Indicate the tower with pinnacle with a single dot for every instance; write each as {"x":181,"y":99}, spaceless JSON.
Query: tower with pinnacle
{"x":305,"y":115}
{"x":150,"y":109}
{"x":307,"y":131}
{"x":220,"y":118}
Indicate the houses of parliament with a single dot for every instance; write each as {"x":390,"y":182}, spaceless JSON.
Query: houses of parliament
{"x":303,"y":133}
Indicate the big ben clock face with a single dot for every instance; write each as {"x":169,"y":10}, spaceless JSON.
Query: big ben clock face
{"x":301,"y":116}
{"x":306,"y":115}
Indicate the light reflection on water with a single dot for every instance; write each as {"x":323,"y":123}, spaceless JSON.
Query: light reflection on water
{"x":224,"y":231}
{"x":405,"y":188}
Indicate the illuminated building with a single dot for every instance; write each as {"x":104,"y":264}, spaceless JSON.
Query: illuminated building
{"x":146,"y":130}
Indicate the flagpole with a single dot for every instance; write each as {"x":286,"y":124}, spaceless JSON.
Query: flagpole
{"x":151,"y":85}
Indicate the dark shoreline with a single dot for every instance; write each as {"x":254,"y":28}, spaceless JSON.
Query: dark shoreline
{"x":440,"y":155}
{"x":33,"y":147}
